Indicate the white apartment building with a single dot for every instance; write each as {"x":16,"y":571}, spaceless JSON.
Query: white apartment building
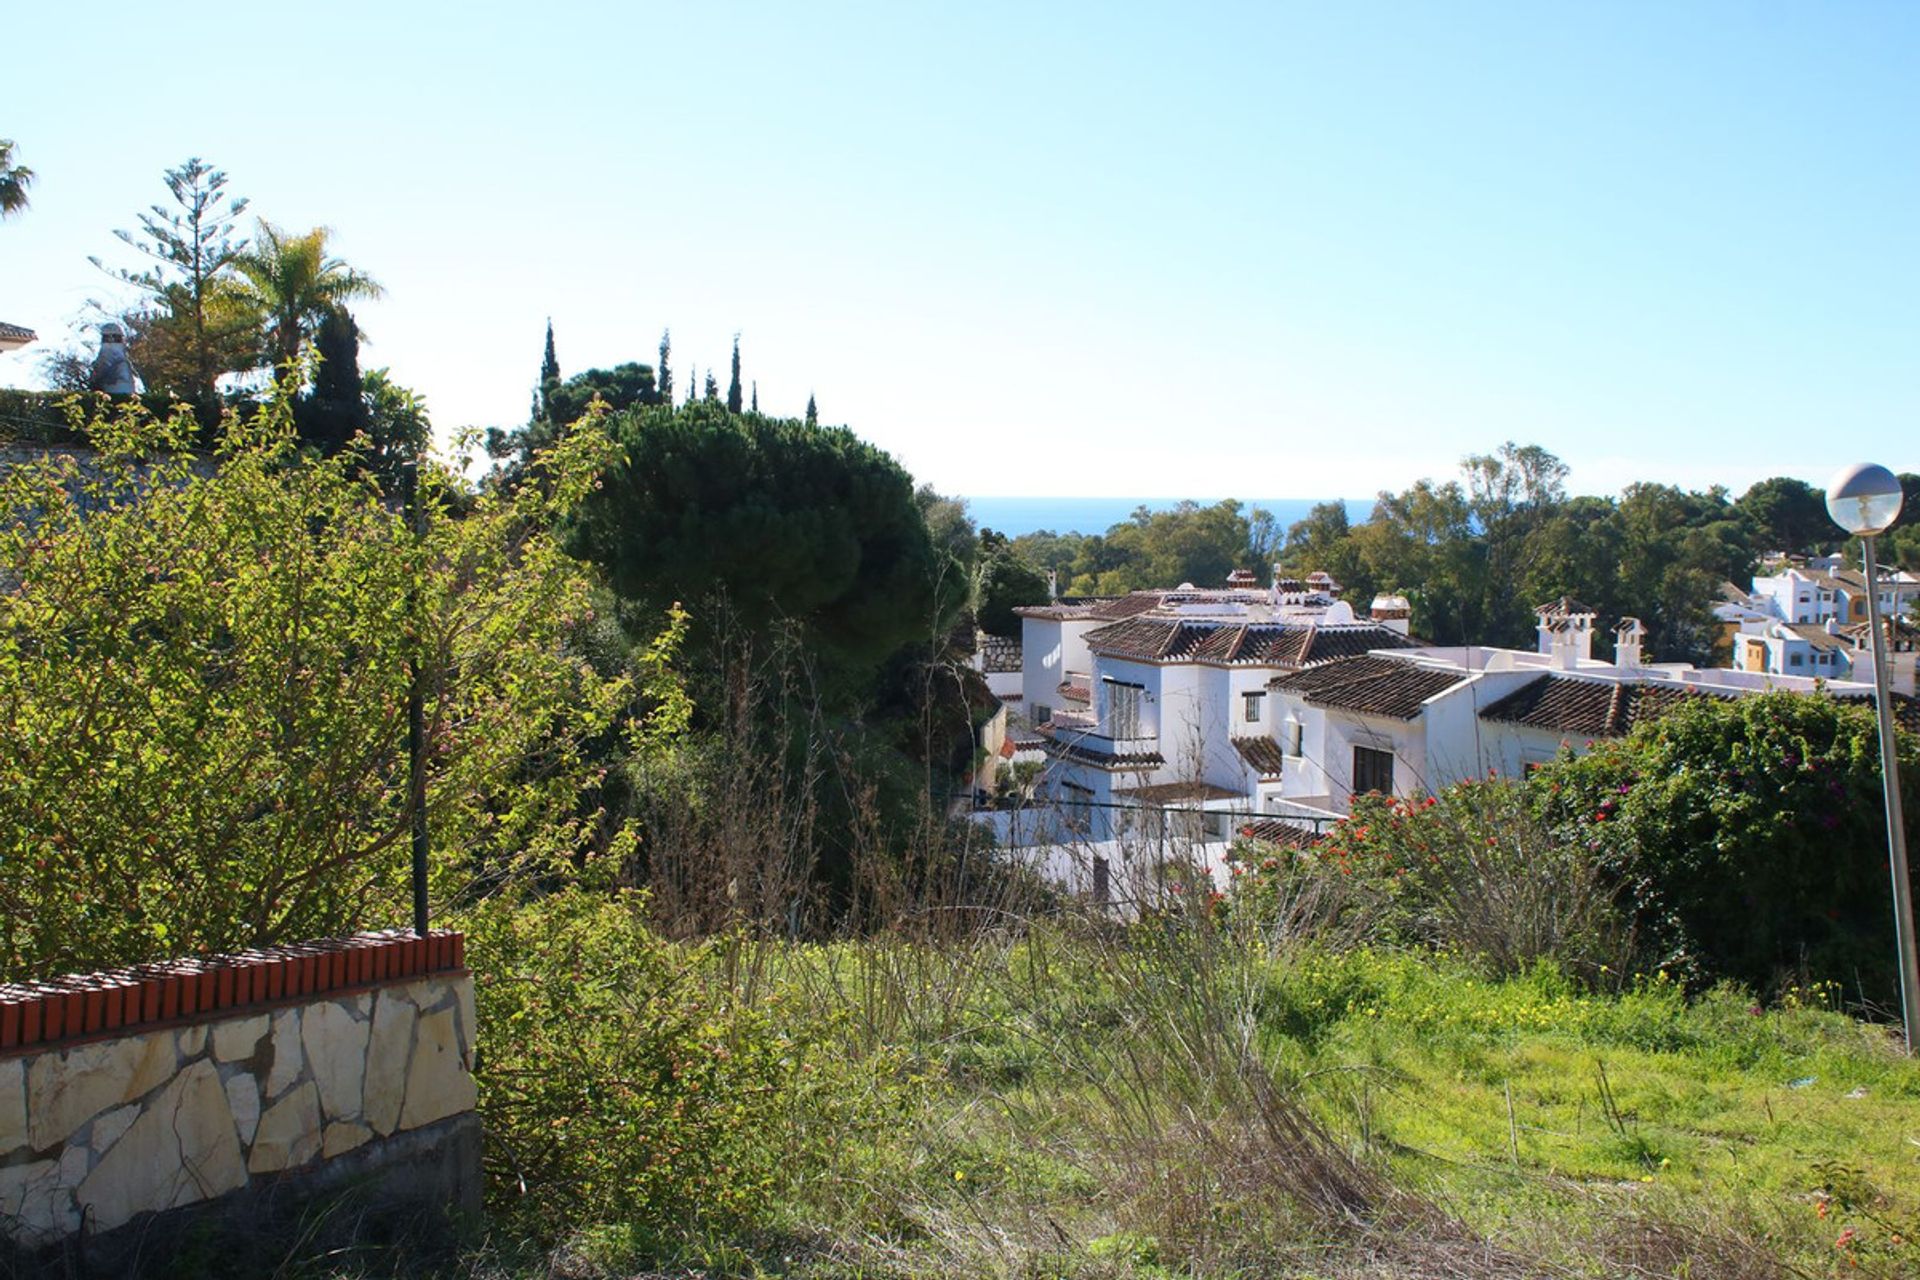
{"x":1158,"y":702}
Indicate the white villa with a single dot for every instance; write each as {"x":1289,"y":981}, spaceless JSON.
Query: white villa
{"x":1811,"y":620}
{"x":1158,"y":702}
{"x":1179,"y":718}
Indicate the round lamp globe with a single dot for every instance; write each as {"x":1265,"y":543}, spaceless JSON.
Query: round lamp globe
{"x":1864,"y":499}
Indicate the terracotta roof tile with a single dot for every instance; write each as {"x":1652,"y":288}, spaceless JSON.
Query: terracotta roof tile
{"x":1175,"y":792}
{"x":1068,"y":747}
{"x":1588,"y":708}
{"x":1272,"y":644}
{"x":1263,"y":755}
{"x":1279,"y":832}
{"x":1376,"y":686}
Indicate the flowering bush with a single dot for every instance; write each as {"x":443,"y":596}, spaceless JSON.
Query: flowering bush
{"x":1471,"y":870}
{"x":1756,"y":834}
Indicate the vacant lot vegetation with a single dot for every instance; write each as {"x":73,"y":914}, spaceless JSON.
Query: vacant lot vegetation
{"x":1189,"y":1095}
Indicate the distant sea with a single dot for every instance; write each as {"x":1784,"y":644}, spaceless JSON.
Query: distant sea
{"x":1015,"y":516}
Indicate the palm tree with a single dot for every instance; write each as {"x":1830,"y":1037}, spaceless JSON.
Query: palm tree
{"x":14,"y":180}
{"x":295,"y":284}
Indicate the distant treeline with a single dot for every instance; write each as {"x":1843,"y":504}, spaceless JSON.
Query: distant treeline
{"x":1475,"y":554}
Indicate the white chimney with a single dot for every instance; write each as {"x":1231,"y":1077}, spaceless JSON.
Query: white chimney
{"x":1627,"y":637}
{"x":1566,"y":632}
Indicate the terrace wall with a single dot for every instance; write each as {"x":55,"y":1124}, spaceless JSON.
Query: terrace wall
{"x":161,"y":1088}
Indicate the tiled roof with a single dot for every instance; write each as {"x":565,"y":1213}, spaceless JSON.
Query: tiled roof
{"x":1176,"y":792}
{"x":1906,"y":709}
{"x":1067,"y":747}
{"x":1076,"y":691}
{"x":1376,"y":686}
{"x":1100,"y":608}
{"x":1262,"y":755}
{"x":1128,"y":606}
{"x":14,"y":333}
{"x":1587,"y":708}
{"x":1274,"y":644}
{"x":1564,"y":607}
{"x":1278,"y":831}
{"x":1857,"y":632}
{"x":1818,"y":637}
{"x":1850,"y":580}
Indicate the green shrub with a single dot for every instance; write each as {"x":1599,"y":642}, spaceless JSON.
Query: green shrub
{"x":1754,"y":834}
{"x":627,"y":1079}
{"x":203,"y":683}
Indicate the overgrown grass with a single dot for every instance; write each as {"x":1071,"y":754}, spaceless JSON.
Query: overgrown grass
{"x":1185,"y":1097}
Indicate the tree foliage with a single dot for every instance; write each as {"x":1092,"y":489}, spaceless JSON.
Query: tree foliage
{"x":14,"y":181}
{"x":1006,"y":581}
{"x":797,"y":524}
{"x":1755,"y":830}
{"x":203,"y":674}
{"x":195,"y":323}
{"x":623,"y":387}
{"x":294,"y":283}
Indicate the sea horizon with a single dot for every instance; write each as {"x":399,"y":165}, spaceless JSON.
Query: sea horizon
{"x":1016,"y":516}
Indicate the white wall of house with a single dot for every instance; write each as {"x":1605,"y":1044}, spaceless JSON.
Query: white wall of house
{"x":1040,"y":666}
{"x":1459,"y":744}
{"x":1795,"y":596}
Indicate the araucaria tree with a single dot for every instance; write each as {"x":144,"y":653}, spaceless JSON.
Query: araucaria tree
{"x":196,"y":325}
{"x":294,"y":283}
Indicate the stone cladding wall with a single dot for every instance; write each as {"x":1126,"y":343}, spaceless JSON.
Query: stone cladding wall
{"x":220,"y":1075}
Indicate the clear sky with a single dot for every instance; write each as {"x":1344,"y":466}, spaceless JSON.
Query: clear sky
{"x":1278,"y":249}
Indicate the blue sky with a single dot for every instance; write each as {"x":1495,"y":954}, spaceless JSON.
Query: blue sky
{"x":1284,"y":249}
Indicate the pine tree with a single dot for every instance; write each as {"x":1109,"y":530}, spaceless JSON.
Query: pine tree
{"x":665,"y":380}
{"x":733,"y":387}
{"x":813,"y":412}
{"x":756,"y":395}
{"x":713,"y":386}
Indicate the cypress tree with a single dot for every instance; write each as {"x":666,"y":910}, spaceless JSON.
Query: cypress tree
{"x":550,"y":363}
{"x":733,"y":387}
{"x":335,"y":410}
{"x":756,"y":395}
{"x":713,"y":386}
{"x":693,"y":382}
{"x":665,"y":380}
{"x":549,"y":375}
{"x":813,"y":413}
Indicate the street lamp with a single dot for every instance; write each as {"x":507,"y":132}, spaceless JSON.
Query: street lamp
{"x":1864,"y":499}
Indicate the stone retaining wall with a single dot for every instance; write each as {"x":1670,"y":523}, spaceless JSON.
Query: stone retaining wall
{"x":314,"y":1052}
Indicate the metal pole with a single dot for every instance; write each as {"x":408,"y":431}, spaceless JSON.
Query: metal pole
{"x":416,"y":714}
{"x":1896,"y":824}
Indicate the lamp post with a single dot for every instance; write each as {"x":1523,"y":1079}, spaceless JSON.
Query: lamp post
{"x":1864,"y":499}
